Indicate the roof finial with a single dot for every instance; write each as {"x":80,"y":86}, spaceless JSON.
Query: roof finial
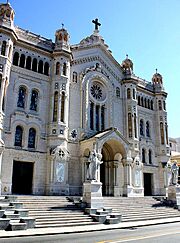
{"x":126,"y":56}
{"x":156,"y":70}
{"x":7,"y":1}
{"x":62,"y":26}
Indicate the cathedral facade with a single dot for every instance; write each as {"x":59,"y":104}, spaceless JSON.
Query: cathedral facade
{"x":59,"y":102}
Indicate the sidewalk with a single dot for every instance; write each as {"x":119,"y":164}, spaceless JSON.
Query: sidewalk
{"x":79,"y":229}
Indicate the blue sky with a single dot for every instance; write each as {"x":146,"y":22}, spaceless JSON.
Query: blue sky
{"x":148,"y":31}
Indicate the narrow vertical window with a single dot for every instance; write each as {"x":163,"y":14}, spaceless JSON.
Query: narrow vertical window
{"x":46,"y":68}
{"x":28,"y":63}
{"x":0,"y":82}
{"x":18,"y":136}
{"x":102,"y":118}
{"x":134,"y":94}
{"x":22,"y":61}
{"x":149,"y":106}
{"x":166,"y":129}
{"x":40,"y":67}
{"x":92,"y":116}
{"x":74,"y":77}
{"x":34,"y":100}
{"x":160,"y":104}
{"x":141,"y":127}
{"x":135,"y":126}
{"x":164,"y":105}
{"x":130,"y":125}
{"x":118,"y":92}
{"x":16,"y":59}
{"x":64,"y":69}
{"x":128,"y":93}
{"x":162,"y":132}
{"x":57,"y":68}
{"x":3,"y":48}
{"x":150,"y":157}
{"x":147,"y":129}
{"x":55,"y":108}
{"x":145,"y":103}
{"x":97,"y":117}
{"x":21,"y":97}
{"x":139,"y":100}
{"x":143,"y":155}
{"x":152,"y":105}
{"x":142,"y":102}
{"x":62,"y":106}
{"x":32,"y":138}
{"x":34,"y":65}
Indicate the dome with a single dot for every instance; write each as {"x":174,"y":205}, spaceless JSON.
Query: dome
{"x":157,"y":78}
{"x":127,"y":64}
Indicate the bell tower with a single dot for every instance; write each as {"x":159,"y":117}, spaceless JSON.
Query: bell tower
{"x":59,"y":115}
{"x":7,"y":39}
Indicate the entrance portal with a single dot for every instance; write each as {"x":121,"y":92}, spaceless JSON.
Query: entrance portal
{"x":22,"y":177}
{"x":147,"y":184}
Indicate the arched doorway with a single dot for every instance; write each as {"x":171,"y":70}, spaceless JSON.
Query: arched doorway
{"x":111,"y":170}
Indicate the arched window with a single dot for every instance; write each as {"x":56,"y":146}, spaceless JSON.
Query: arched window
{"x":46,"y":68}
{"x":150,"y":156}
{"x":160,"y":104}
{"x":22,"y":61}
{"x":147,"y":129}
{"x":139,"y":100}
{"x":75,"y":77}
{"x":10,"y":50}
{"x":57,"y":68}
{"x":134,"y":94}
{"x":18,"y":136}
{"x":3,"y":48}
{"x":117,"y":92}
{"x":92,"y":116}
{"x":145,"y":103}
{"x":102,"y":118}
{"x":32,"y":138}
{"x":64,"y":69}
{"x":162,"y":132}
{"x":34,"y":65}
{"x":149,"y":106}
{"x":128,"y":93}
{"x":142,"y":102}
{"x":40,"y":67}
{"x":152,"y":105}
{"x":62,"y":106}
{"x":55,"y":109}
{"x":143,"y":155}
{"x":141,"y":128}
{"x":16,"y":59}
{"x":130,"y":125}
{"x":28,"y":63}
{"x":34,"y":100}
{"x":21,"y":97}
{"x":135,"y":126}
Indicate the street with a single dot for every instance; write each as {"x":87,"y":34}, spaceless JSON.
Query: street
{"x":165,"y":233}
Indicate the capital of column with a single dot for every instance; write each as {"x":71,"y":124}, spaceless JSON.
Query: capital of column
{"x":127,"y":161}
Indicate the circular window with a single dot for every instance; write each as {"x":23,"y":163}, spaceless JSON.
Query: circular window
{"x":97,"y":91}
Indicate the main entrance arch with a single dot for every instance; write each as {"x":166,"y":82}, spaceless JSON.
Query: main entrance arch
{"x":111,"y":170}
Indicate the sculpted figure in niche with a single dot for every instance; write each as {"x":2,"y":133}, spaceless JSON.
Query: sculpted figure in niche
{"x":94,"y":162}
{"x":168,"y":173}
{"x":175,"y":172}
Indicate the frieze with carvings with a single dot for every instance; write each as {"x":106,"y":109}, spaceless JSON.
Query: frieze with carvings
{"x":96,"y":58}
{"x":96,"y":67}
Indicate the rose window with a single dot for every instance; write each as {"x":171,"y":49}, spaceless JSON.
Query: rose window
{"x":96,"y":91}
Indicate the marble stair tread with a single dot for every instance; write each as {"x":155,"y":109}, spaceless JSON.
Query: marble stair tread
{"x":67,"y":225}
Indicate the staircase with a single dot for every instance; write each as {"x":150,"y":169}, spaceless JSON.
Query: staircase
{"x":13,"y":216}
{"x":135,"y":209}
{"x":55,"y":211}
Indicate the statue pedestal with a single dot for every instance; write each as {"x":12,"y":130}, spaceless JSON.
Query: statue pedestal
{"x":178,"y":196}
{"x":92,"y":194}
{"x":172,"y":193}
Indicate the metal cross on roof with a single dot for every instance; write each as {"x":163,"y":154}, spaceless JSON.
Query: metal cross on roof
{"x":96,"y":23}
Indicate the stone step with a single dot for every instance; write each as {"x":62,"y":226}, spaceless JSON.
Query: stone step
{"x":11,"y":215}
{"x":61,"y":219}
{"x":16,"y":226}
{"x":66,"y":225}
{"x":6,"y":207}
{"x":30,"y":222}
{"x":16,"y":205}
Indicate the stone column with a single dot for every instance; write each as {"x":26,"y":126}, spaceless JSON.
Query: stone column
{"x":1,"y":145}
{"x":127,"y":163}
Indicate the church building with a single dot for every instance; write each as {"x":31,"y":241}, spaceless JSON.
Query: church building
{"x":59,"y":102}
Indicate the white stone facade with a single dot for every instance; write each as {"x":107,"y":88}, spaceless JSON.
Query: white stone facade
{"x":62,"y":101}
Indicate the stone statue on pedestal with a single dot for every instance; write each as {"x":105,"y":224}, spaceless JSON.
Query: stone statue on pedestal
{"x":175,"y":172}
{"x":94,"y":162}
